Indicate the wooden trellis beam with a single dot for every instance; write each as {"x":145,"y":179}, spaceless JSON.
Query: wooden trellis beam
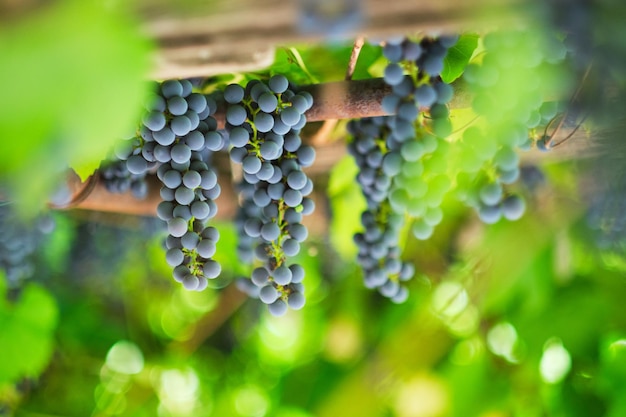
{"x":198,"y":39}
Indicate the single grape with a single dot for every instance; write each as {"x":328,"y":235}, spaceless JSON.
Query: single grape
{"x":266,"y":172}
{"x":180,"y":272}
{"x":174,"y":257}
{"x":184,"y":195}
{"x":269,"y":151}
{"x":192,"y":179}
{"x":308,"y":206}
{"x":239,"y":137}
{"x":252,"y":227}
{"x":211,"y":269}
{"x":257,"y":90}
{"x":180,"y":125}
{"x":263,"y":122}
{"x":298,"y":231}
{"x":297,"y":180}
{"x":282,"y":275}
{"x":191,"y":282}
{"x":268,"y":294}
{"x":154,"y":120}
{"x":200,"y":210}
{"x":213,"y":141}
{"x":164,"y":210}
{"x":291,"y":247}
{"x":177,"y":227}
{"x":233,"y":94}
{"x":425,"y":95}
{"x":251,"y":164}
{"x":491,"y":193}
{"x":182,"y":211}
{"x":211,"y":233}
{"x":393,"y":74}
{"x":278,"y":83}
{"x":208,"y":180}
{"x":177,"y":105}
{"x":195,"y":140}
{"x":296,"y":300}
{"x":389,"y":289}
{"x":300,"y":103}
{"x":290,"y":116}
{"x":267,"y":102}
{"x":489,"y":214}
{"x":270,"y":231}
{"x":260,"y":277}
{"x":292,"y":198}
{"x":422,"y":230}
{"x":206,"y":248}
{"x":171,"y":88}
{"x":236,"y":115}
{"x":172,"y":179}
{"x":393,"y":52}
{"x":197,"y":102}
{"x":137,"y":165}
{"x":513,"y":207}
{"x":164,"y":137}
{"x":261,"y":198}
{"x":306,"y":155}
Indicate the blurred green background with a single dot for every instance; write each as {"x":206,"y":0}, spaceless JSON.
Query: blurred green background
{"x":514,"y":319}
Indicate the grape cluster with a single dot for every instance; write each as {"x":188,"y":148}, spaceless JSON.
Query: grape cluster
{"x":495,"y":146}
{"x":417,"y":160}
{"x":176,"y":131}
{"x":392,"y":152}
{"x":264,"y":122}
{"x":18,"y":243}
{"x":378,"y":245}
{"x":120,"y":176}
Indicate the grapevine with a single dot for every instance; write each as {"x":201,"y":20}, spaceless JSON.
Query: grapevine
{"x":410,"y":161}
{"x":263,"y":124}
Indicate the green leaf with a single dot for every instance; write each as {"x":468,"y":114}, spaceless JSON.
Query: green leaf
{"x":323,"y":63}
{"x":26,"y":333}
{"x":86,"y":169}
{"x":458,"y":57}
{"x":72,"y":79}
{"x":284,"y":64}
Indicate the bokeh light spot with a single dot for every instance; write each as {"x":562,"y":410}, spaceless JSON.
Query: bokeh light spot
{"x":555,"y":362}
{"x":125,"y":357}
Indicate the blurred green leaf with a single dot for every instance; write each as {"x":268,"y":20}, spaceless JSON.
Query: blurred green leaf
{"x":458,"y":57}
{"x":26,"y":333}
{"x":73,"y":81}
{"x":347,"y":204}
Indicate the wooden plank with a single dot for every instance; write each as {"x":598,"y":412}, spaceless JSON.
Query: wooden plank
{"x":226,"y":36}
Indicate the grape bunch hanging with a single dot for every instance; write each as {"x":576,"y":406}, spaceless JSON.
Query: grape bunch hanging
{"x":390,"y":151}
{"x":409,"y":162}
{"x":408,"y":165}
{"x":177,"y":137}
{"x":263,"y":122}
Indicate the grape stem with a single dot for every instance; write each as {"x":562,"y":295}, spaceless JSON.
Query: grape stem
{"x":549,"y":144}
